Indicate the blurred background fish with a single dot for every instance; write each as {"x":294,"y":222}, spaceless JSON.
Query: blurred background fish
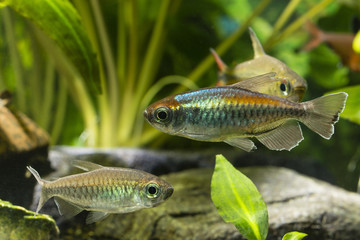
{"x":103,"y":190}
{"x":286,"y":83}
{"x":341,"y":43}
{"x":232,"y":115}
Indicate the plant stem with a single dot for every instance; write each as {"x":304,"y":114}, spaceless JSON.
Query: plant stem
{"x":283,"y":18}
{"x":14,"y":58}
{"x":121,"y":48}
{"x":128,"y":104}
{"x":48,"y":93}
{"x":299,"y":22}
{"x":59,"y":115}
{"x":75,"y":84}
{"x":112,"y":82}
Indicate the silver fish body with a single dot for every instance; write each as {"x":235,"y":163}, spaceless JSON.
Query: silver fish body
{"x":103,"y":190}
{"x":232,"y":114}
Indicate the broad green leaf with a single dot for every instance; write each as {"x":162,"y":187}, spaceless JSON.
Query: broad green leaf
{"x":352,"y":107}
{"x":61,"y":22}
{"x":325,"y":70}
{"x":238,"y":201}
{"x":294,"y":236}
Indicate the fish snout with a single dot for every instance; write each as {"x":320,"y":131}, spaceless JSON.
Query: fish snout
{"x":168,"y":193}
{"x":145,"y":113}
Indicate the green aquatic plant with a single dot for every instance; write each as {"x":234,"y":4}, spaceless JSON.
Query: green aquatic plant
{"x":53,"y":55}
{"x":238,"y":201}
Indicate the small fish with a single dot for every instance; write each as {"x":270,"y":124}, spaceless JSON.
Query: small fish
{"x":341,"y":43}
{"x":285,"y":83}
{"x":232,"y":115}
{"x":103,"y":190}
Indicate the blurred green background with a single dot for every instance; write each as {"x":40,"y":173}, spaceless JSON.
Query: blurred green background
{"x":140,"y":51}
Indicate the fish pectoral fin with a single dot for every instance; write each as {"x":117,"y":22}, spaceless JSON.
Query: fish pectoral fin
{"x":86,"y":165}
{"x":67,"y":209}
{"x":285,"y":137}
{"x":95,"y":216}
{"x":257,"y":82}
{"x":243,"y":143}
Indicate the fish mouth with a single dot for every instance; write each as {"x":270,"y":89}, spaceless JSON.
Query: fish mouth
{"x":168,"y":193}
{"x":145,"y":113}
{"x":300,"y":91}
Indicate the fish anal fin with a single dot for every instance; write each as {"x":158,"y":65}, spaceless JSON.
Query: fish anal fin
{"x":285,"y":137}
{"x":86,"y":165}
{"x":67,"y":209}
{"x":95,"y":216}
{"x":258,"y":48}
{"x":258,"y":82}
{"x":243,"y":143}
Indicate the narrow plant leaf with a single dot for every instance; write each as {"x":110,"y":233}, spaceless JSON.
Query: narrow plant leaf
{"x":294,"y":236}
{"x":61,"y":22}
{"x":238,"y":201}
{"x":352,"y":107}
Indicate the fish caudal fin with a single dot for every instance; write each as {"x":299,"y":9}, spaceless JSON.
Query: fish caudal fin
{"x":323,"y":113}
{"x":221,"y":65}
{"x":317,"y":34}
{"x":43,"y":196}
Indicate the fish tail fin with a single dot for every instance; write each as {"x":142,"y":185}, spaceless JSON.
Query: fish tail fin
{"x":221,"y":65}
{"x":223,"y":68}
{"x":317,"y":36}
{"x":44,"y":195}
{"x":323,"y":113}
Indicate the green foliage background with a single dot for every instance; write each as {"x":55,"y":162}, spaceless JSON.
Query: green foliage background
{"x":140,"y":44}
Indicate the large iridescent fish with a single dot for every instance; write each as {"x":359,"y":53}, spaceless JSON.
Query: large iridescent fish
{"x":341,"y":43}
{"x":233,"y":115}
{"x":103,"y":190}
{"x":285,"y":83}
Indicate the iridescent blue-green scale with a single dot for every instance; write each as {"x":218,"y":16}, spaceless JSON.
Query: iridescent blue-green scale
{"x":228,"y":108}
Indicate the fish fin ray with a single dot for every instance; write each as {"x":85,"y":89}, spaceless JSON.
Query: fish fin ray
{"x":285,"y":137}
{"x":258,"y":48}
{"x":43,"y":193}
{"x":95,"y":216}
{"x":323,"y":113}
{"x":258,"y":82}
{"x":221,"y":65}
{"x":86,"y":165}
{"x":243,"y":143}
{"x":67,"y":209}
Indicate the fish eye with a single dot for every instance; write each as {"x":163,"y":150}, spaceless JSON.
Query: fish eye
{"x":284,"y":88}
{"x":162,"y":114}
{"x":152,"y":190}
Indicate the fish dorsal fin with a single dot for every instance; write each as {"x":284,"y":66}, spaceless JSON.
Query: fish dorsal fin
{"x":285,"y":137}
{"x":221,"y":65}
{"x":86,"y":165}
{"x":257,"y":82}
{"x":95,"y":217}
{"x":258,"y":48}
{"x":67,"y":209}
{"x":243,"y":143}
